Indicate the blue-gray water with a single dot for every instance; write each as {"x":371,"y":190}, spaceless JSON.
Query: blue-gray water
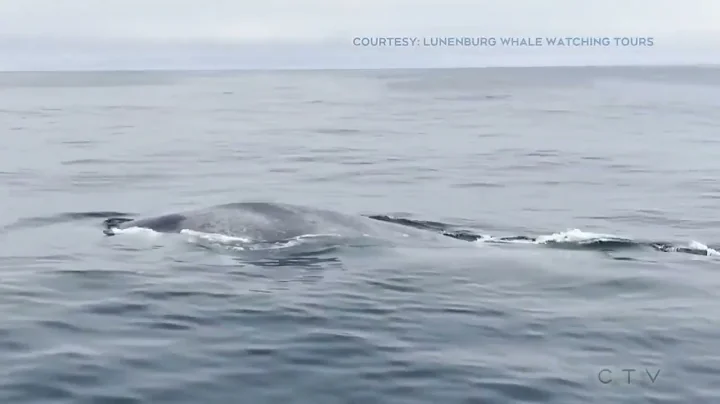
{"x":148,"y":318}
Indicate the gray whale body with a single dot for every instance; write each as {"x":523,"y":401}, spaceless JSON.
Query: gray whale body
{"x":266,"y":222}
{"x":260,"y":222}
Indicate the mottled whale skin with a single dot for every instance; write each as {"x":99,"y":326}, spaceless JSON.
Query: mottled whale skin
{"x":267,"y":222}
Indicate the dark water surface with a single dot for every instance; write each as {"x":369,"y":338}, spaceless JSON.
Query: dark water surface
{"x":570,"y":158}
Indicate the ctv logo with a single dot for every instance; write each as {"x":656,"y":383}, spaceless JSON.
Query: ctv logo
{"x":628,"y":375}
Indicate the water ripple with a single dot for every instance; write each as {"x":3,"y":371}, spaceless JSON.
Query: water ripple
{"x":509,"y":152}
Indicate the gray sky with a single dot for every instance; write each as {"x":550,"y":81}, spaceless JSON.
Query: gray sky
{"x":78,"y":34}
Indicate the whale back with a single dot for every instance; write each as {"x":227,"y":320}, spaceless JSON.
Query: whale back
{"x":165,"y":224}
{"x":267,"y":222}
{"x":258,"y":221}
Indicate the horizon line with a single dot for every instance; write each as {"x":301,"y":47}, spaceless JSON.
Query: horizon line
{"x":329,"y":69}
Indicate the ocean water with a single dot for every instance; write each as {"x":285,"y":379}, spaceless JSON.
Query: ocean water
{"x":581,"y":267}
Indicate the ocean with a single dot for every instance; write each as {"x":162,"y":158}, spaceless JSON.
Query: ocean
{"x":581,"y":262}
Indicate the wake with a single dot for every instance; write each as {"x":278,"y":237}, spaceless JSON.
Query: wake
{"x":67,"y":217}
{"x":574,"y":239}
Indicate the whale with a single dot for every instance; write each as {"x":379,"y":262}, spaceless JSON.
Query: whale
{"x":268,"y":223}
{"x":264,"y":223}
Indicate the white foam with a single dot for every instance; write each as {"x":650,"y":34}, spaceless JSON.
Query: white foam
{"x":299,"y":240}
{"x":696,"y":245}
{"x":246,"y":244}
{"x":490,"y":239}
{"x":195,"y":236}
{"x":142,"y":231}
{"x":577,"y":236}
{"x":304,"y":236}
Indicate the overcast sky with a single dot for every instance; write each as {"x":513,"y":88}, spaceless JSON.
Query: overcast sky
{"x":79,"y":34}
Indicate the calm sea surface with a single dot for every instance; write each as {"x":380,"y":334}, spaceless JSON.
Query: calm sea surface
{"x":570,"y":158}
